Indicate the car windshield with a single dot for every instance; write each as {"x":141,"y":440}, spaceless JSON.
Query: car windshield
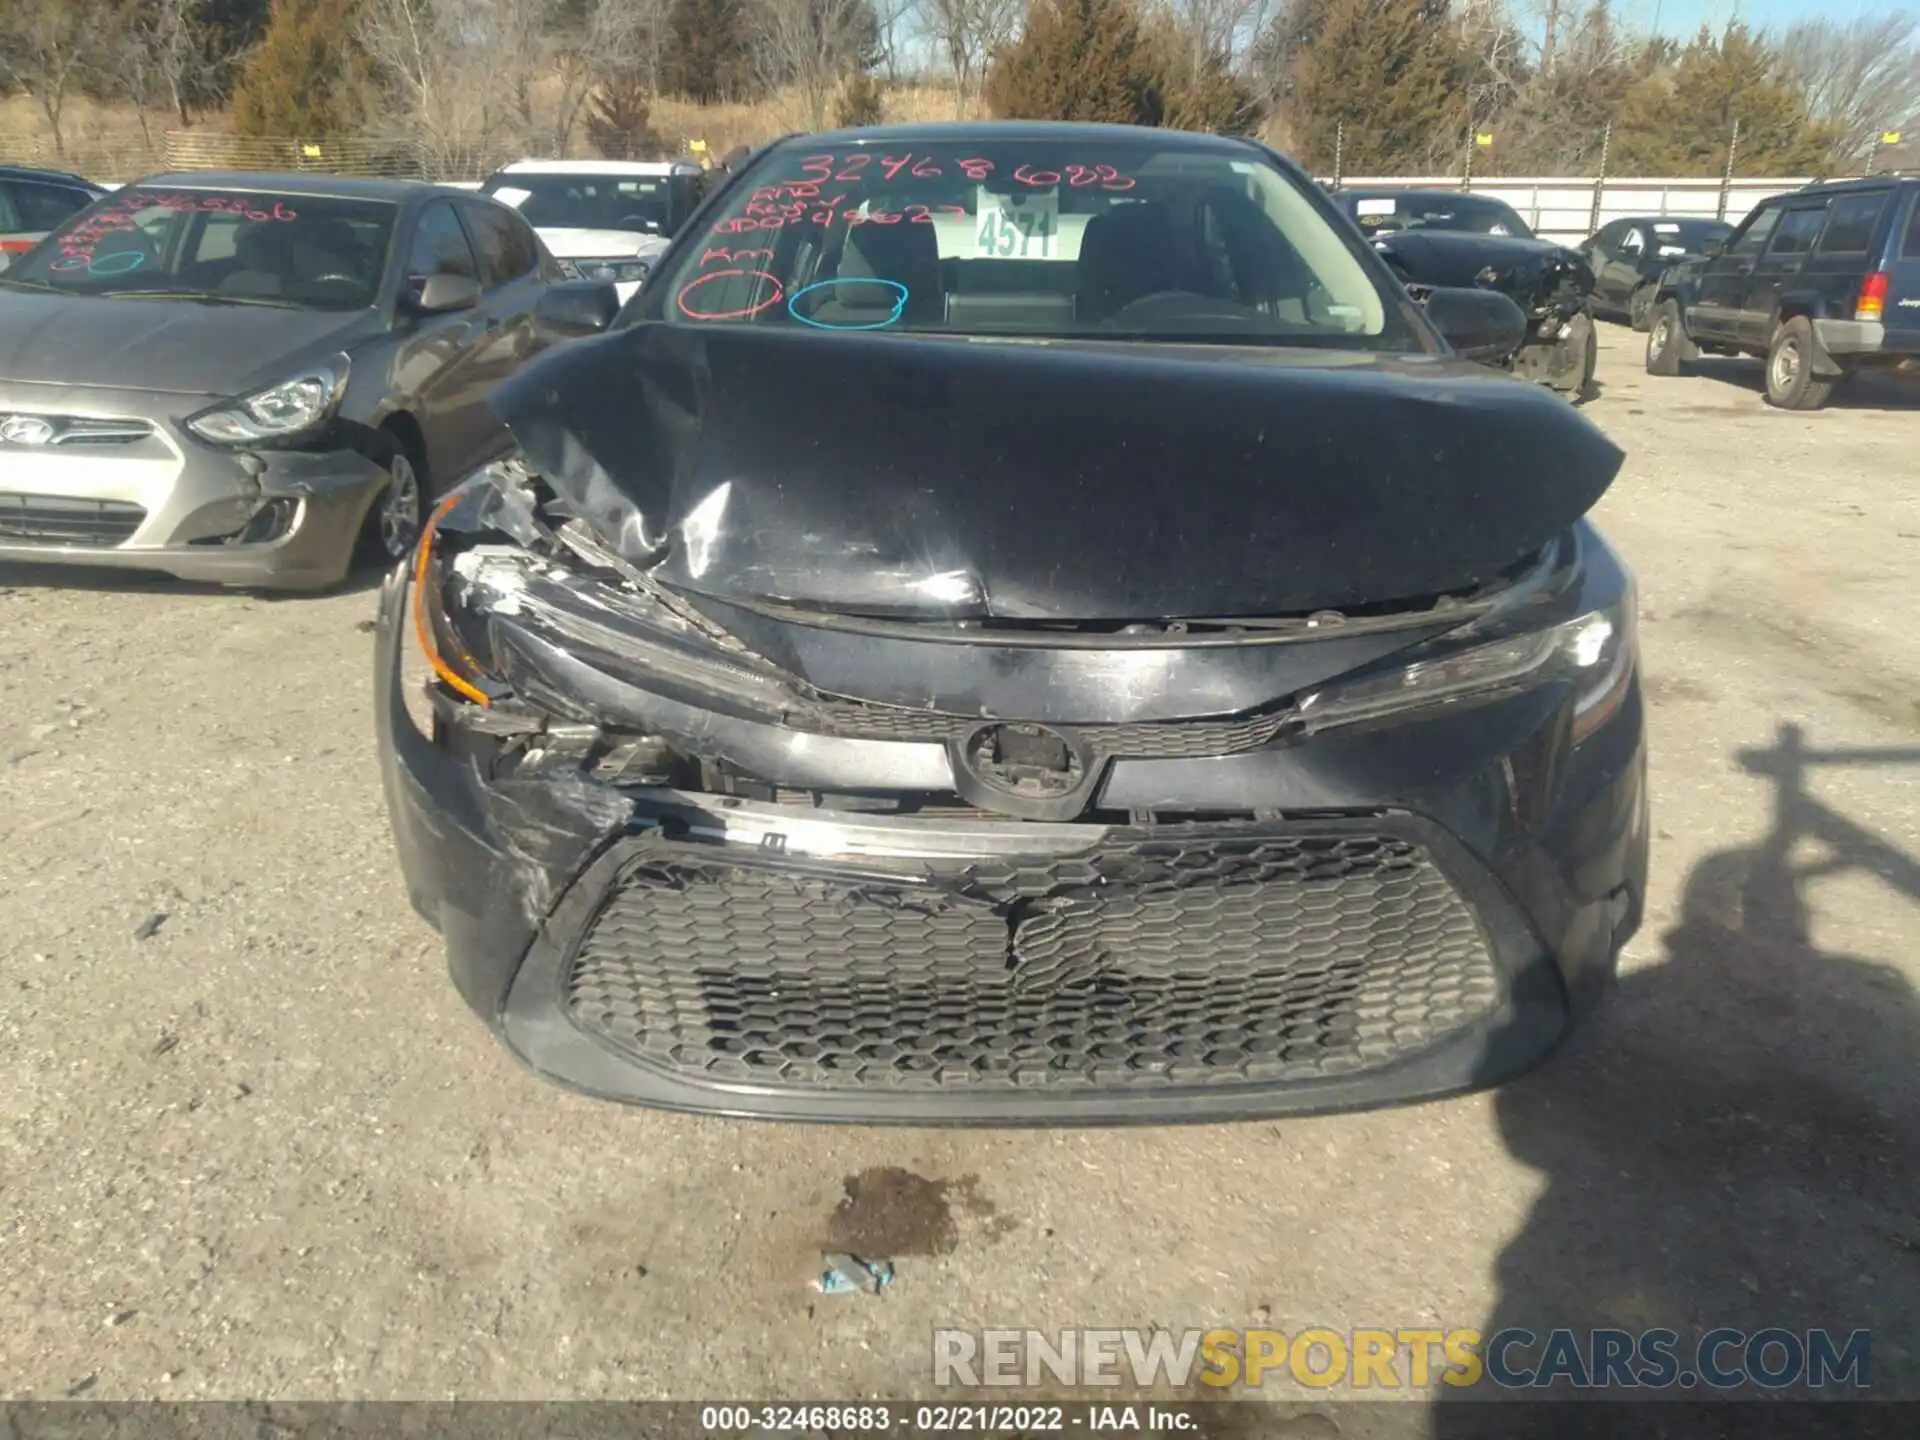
{"x":1040,"y":237}
{"x":1436,"y":210}
{"x":1679,"y":237}
{"x":644,"y":204}
{"x":305,"y":251}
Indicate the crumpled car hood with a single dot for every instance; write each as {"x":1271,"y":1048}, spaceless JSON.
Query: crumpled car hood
{"x":1525,"y":270}
{"x":890,"y":475}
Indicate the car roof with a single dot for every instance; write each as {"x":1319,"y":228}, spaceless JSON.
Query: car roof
{"x":35,"y":172}
{"x":282,"y":182}
{"x":1852,"y":186}
{"x":1669,"y":220}
{"x":985,"y":130}
{"x":1371,"y":192}
{"x":598,"y":167}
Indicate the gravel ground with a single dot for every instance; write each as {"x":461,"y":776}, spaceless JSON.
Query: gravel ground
{"x":251,"y":1144}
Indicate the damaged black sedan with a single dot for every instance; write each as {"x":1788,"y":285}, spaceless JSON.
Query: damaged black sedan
{"x":1023,"y":624}
{"x":1445,"y":237}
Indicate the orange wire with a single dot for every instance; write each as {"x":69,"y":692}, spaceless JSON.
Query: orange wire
{"x":421,"y":624}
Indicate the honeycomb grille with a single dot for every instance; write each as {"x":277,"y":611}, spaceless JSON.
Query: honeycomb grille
{"x":1143,"y":740}
{"x":1151,"y":964}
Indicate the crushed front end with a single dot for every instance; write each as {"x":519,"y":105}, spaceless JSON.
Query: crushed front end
{"x":1554,"y":288}
{"x":765,"y":860}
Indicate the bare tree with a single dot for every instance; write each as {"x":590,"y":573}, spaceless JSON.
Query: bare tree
{"x":1861,"y":77}
{"x":812,"y":45}
{"x":967,"y":33}
{"x":593,"y":45}
{"x":456,"y":93}
{"x":49,"y":48}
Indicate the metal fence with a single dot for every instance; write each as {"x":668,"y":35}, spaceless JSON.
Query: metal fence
{"x":1569,"y":209}
{"x":1558,"y":207}
{"x":123,"y":160}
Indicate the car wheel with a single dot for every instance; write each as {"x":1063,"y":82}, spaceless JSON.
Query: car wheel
{"x":393,"y":523}
{"x":1640,"y":309}
{"x":1666,"y":340}
{"x":1589,"y":366}
{"x":1791,"y":383}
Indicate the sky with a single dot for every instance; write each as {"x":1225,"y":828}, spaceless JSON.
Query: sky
{"x":1681,"y":18}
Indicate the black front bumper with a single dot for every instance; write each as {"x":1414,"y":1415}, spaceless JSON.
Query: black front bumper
{"x":1403,"y":913}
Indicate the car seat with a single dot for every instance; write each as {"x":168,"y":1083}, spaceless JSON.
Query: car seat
{"x":1125,"y":254}
{"x":264,"y":250}
{"x":906,"y":253}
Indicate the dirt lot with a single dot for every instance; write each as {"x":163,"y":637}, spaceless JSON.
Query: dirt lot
{"x":264,"y":1151}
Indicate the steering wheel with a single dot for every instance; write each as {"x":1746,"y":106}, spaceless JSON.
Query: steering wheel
{"x":645,"y":222}
{"x":1183,"y":306}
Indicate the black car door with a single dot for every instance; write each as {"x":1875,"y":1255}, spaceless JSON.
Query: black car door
{"x":439,"y":367}
{"x":1714,"y":312}
{"x":1778,"y":268}
{"x":1598,"y":249}
{"x":1622,"y":275}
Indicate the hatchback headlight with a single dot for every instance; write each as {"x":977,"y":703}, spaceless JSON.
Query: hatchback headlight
{"x":293,"y":408}
{"x":1595,"y":653}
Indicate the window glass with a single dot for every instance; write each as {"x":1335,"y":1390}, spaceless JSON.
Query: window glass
{"x":1753,"y":239}
{"x":505,"y":249}
{"x":46,"y":207}
{"x":643,"y":204}
{"x":1122,"y":236}
{"x":1797,"y":231}
{"x":1633,"y":242}
{"x":1434,"y":210}
{"x":1910,"y":247}
{"x":245,"y":246}
{"x":1851,"y":223}
{"x":440,"y":246}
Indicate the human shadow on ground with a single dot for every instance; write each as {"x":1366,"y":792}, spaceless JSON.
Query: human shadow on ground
{"x":1734,"y":1140}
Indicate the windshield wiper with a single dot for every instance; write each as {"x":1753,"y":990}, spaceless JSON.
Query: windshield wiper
{"x":24,"y":284}
{"x":204,"y":297}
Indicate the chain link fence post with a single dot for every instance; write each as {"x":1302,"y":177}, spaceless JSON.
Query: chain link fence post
{"x":1600,"y":180}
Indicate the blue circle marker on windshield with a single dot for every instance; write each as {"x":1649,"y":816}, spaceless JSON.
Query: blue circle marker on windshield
{"x":124,"y":262}
{"x":899,"y":303}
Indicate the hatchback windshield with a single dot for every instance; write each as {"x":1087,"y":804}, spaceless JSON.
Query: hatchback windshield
{"x":305,"y":251}
{"x":1436,"y":210}
{"x":1119,"y":238}
{"x":645,"y":204}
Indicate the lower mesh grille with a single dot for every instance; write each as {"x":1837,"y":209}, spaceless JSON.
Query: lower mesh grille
{"x":58,"y":520}
{"x":1151,"y":963}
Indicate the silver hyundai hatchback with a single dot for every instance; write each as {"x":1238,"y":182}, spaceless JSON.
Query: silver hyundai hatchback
{"x":249,"y":379}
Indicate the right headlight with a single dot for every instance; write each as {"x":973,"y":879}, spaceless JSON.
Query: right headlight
{"x":1594,"y":653}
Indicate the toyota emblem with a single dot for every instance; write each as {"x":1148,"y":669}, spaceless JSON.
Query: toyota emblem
{"x":26,"y":430}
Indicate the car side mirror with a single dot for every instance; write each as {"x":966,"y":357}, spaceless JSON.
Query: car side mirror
{"x":571,"y":308}
{"x":442,"y":293}
{"x":1713,"y":247}
{"x":1478,"y":324}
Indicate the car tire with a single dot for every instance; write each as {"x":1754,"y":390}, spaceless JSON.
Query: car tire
{"x":1791,"y":383}
{"x":1667,"y":345}
{"x":1640,"y":309}
{"x":393,"y":521}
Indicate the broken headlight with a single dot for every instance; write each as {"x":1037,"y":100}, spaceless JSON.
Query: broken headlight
{"x":1594,"y":653}
{"x":491,"y":555}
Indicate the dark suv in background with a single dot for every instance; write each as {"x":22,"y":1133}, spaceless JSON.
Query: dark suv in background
{"x":1823,"y":282}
